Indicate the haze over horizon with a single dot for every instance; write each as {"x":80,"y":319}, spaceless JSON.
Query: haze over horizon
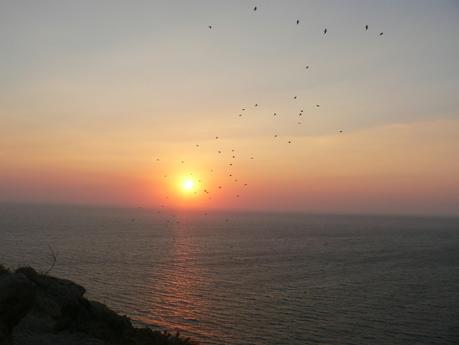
{"x":100,"y":102}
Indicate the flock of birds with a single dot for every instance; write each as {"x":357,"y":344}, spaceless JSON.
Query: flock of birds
{"x":199,"y":187}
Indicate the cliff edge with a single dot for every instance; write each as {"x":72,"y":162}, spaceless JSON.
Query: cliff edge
{"x":39,"y":309}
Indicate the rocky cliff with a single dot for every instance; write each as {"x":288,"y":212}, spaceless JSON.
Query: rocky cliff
{"x":40,"y":309}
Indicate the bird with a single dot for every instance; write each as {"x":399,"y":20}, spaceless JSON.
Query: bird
{"x":197,"y":145}
{"x":216,"y":137}
{"x":256,"y":104}
{"x":317,"y":105}
{"x":219,"y":151}
{"x":381,"y":33}
{"x":243,"y":109}
{"x":255,"y":8}
{"x":294,"y":97}
{"x":341,"y":131}
{"x":289,"y":142}
{"x":366,"y":27}
{"x":307,"y":67}
{"x":297,"y":21}
{"x":210,"y":26}
{"x":275,"y":135}
{"x":274,"y":114}
{"x":325,"y":31}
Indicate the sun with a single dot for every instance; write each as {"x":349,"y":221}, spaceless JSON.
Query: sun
{"x":188,"y":184}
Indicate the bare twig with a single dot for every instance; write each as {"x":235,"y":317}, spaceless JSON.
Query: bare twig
{"x":54,"y":258}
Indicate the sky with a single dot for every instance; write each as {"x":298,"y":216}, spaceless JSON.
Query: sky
{"x":101,"y":101}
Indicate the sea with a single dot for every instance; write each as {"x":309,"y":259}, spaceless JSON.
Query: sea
{"x":252,"y":278}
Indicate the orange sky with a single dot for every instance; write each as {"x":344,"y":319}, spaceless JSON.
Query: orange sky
{"x":86,"y":111}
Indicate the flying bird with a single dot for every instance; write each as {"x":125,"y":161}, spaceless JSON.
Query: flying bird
{"x":307,"y":67}
{"x":317,"y":105}
{"x":256,"y":104}
{"x":325,"y":31}
{"x":297,"y":21}
{"x":255,"y":8}
{"x":366,"y":27}
{"x":210,"y":26}
{"x":294,"y":97}
{"x":381,"y":33}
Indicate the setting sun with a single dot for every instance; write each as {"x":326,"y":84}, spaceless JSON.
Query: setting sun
{"x":188,"y":185}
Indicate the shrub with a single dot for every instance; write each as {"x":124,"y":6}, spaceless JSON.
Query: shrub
{"x":3,"y":269}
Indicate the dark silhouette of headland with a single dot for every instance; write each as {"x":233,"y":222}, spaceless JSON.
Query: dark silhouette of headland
{"x":39,"y":309}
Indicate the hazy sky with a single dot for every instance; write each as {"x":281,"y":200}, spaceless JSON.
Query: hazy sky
{"x":93,"y":92}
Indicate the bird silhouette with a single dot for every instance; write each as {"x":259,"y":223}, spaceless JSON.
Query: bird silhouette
{"x":294,"y":97}
{"x":255,"y":8}
{"x":325,"y":31}
{"x":297,"y":21}
{"x":381,"y":33}
{"x":366,"y":27}
{"x":307,"y":67}
{"x":210,"y":26}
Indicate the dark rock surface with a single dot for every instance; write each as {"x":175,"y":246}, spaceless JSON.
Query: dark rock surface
{"x":40,"y":309}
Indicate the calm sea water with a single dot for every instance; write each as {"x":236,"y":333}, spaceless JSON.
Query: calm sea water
{"x":256,"y":279}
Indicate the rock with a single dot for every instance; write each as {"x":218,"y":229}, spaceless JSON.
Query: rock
{"x":17,"y":295}
{"x":37,"y":309}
